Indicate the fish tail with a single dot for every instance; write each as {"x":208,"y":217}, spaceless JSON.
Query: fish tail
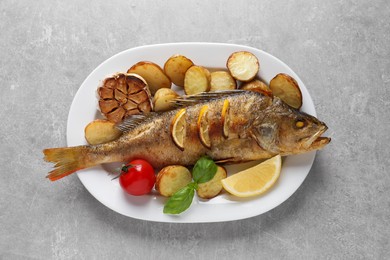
{"x":67,"y":161}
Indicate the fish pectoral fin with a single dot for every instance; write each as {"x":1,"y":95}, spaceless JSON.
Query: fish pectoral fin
{"x":131,"y":122}
{"x":190,"y":100}
{"x":226,"y":160}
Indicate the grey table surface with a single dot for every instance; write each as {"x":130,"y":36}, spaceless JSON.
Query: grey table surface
{"x":341,"y":51}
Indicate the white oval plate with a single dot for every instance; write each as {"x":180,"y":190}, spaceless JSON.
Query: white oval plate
{"x":150,"y":207}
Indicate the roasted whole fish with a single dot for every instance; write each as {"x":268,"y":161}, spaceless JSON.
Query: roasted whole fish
{"x":253,"y":127}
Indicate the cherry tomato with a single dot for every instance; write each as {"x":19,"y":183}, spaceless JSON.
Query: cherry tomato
{"x":137,"y":177}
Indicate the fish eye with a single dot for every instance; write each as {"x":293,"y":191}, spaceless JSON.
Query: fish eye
{"x":300,"y":124}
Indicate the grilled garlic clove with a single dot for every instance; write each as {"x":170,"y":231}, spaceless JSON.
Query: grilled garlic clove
{"x":124,"y":94}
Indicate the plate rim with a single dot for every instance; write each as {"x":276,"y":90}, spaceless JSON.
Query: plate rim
{"x":229,"y":45}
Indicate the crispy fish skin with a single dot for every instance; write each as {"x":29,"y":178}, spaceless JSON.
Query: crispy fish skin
{"x":260,"y":127}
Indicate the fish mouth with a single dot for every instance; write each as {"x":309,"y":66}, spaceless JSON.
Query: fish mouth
{"x":316,"y":141}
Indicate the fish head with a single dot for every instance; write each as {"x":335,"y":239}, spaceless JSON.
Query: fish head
{"x":301,"y":132}
{"x":286,"y":130}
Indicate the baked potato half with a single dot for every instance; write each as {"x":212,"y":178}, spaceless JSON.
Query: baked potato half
{"x":196,"y":80}
{"x":162,"y":99}
{"x":101,"y":131}
{"x":287,"y":89}
{"x":222,"y":80}
{"x":243,"y":65}
{"x":213,"y":187}
{"x":175,"y":68}
{"x":153,"y":74}
{"x":172,"y":178}
{"x":257,"y":86}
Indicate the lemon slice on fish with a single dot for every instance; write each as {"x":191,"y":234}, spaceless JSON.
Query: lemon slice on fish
{"x":203,"y":127}
{"x":225,"y":118}
{"x":178,"y":128}
{"x":256,"y":180}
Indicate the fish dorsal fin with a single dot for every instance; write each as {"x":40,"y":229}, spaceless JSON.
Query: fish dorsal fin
{"x":190,"y":100}
{"x":131,"y":122}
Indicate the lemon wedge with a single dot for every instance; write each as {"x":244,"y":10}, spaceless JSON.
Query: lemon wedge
{"x":178,"y":128}
{"x":255,"y":180}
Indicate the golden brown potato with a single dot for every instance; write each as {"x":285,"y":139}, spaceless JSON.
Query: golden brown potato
{"x":257,"y":86}
{"x":122,"y":95}
{"x":213,"y":187}
{"x":153,"y":74}
{"x":222,"y":80}
{"x":175,"y":68}
{"x":101,"y":131}
{"x":196,"y":80}
{"x":286,"y":88}
{"x":243,"y":65}
{"x":171,"y":179}
{"x":162,"y":99}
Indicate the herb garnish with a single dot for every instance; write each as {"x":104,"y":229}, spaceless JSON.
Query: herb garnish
{"x":203,"y":171}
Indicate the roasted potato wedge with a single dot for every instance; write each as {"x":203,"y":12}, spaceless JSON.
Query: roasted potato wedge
{"x":243,"y":65}
{"x":257,"y":86}
{"x":287,"y":89}
{"x":162,"y":99}
{"x":101,"y":131}
{"x":222,"y":80}
{"x":122,"y":95}
{"x":196,"y":80}
{"x":153,"y":74}
{"x":171,"y":179}
{"x":213,"y":187}
{"x":175,"y":68}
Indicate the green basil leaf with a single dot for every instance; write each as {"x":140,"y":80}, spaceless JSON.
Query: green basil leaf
{"x":204,"y":170}
{"x":180,"y":201}
{"x":193,"y":185}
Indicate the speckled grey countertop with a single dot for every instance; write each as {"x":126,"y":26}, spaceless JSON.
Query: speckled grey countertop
{"x":340,"y":49}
